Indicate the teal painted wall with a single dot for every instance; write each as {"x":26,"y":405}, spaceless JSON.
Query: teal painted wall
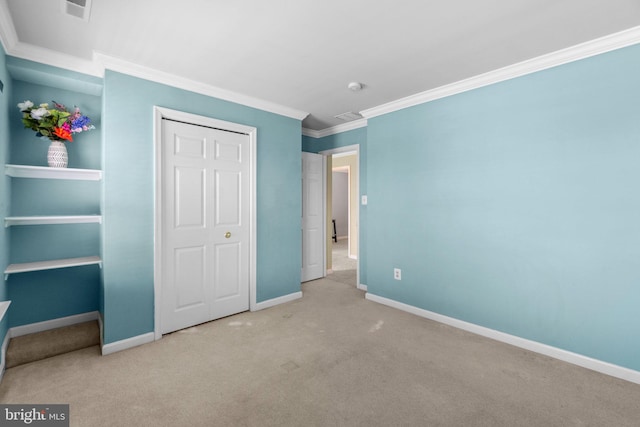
{"x":129,"y":197}
{"x":46,"y":295}
{"x":5,"y":187}
{"x":343,"y":139}
{"x":510,"y":206}
{"x":515,"y":206}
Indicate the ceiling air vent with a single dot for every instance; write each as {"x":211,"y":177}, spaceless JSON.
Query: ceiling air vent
{"x":77,"y":8}
{"x":348,"y":116}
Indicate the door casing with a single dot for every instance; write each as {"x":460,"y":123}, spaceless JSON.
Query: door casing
{"x":164,"y":113}
{"x":355,"y":148}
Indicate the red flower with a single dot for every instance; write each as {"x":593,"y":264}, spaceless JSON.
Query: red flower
{"x":63,"y":134}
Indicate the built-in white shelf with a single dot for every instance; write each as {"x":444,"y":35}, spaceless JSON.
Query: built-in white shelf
{"x":52,"y":219}
{"x":4,"y":306}
{"x":22,"y":171}
{"x":50,"y":265}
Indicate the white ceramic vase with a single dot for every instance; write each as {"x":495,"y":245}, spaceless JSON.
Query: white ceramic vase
{"x":57,"y":155}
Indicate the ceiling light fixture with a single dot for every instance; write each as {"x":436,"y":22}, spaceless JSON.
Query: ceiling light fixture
{"x":355,"y":86}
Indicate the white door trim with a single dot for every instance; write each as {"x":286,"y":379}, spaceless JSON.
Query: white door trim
{"x":349,"y":149}
{"x":165,"y":113}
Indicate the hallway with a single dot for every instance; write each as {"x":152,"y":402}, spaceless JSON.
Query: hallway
{"x":344,"y":269}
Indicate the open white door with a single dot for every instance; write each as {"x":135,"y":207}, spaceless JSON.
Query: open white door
{"x":313,"y":234}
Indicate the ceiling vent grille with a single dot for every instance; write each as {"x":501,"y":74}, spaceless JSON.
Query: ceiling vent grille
{"x":348,"y":116}
{"x":77,"y":8}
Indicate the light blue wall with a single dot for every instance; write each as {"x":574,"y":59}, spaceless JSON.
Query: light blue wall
{"x":516,"y":206}
{"x":343,"y":139}
{"x":46,"y":295}
{"x":511,"y":206}
{"x":5,"y":188}
{"x":129,"y":197}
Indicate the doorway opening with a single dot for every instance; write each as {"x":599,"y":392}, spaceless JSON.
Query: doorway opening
{"x":342,"y":210}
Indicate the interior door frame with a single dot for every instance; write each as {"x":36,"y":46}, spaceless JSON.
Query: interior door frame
{"x":165,"y":113}
{"x":348,"y":149}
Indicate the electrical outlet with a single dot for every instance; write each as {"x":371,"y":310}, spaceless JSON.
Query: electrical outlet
{"x":397,"y":274}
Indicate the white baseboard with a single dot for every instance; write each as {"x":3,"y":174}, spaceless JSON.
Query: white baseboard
{"x":277,"y":301}
{"x":362,"y":287}
{"x":557,"y":353}
{"x":3,"y":353}
{"x":33,"y":328}
{"x":128,"y":343}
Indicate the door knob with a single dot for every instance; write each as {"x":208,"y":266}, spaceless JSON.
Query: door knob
{"x":227,"y":234}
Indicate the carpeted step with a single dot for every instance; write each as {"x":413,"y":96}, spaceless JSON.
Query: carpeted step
{"x":38,"y":346}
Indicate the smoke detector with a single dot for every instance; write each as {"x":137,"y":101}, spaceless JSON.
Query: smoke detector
{"x":77,"y":8}
{"x":355,"y":86}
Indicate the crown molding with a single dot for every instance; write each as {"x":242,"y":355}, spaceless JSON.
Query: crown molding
{"x":344,"y":127}
{"x":96,"y":67}
{"x":56,"y":59}
{"x":581,"y":51}
{"x":14,"y":47}
{"x":8,"y":35}
{"x":102,"y":62}
{"x":136,"y":70}
{"x":310,"y":133}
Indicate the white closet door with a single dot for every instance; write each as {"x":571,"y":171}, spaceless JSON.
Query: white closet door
{"x":205,"y":258}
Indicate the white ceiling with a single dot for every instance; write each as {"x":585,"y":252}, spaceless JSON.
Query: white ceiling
{"x":301,"y":54}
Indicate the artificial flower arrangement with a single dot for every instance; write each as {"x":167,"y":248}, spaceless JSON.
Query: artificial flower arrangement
{"x":57,"y":123}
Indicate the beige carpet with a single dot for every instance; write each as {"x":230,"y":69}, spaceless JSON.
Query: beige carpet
{"x":344,"y":269}
{"x":32,"y":347}
{"x":331,"y":358}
